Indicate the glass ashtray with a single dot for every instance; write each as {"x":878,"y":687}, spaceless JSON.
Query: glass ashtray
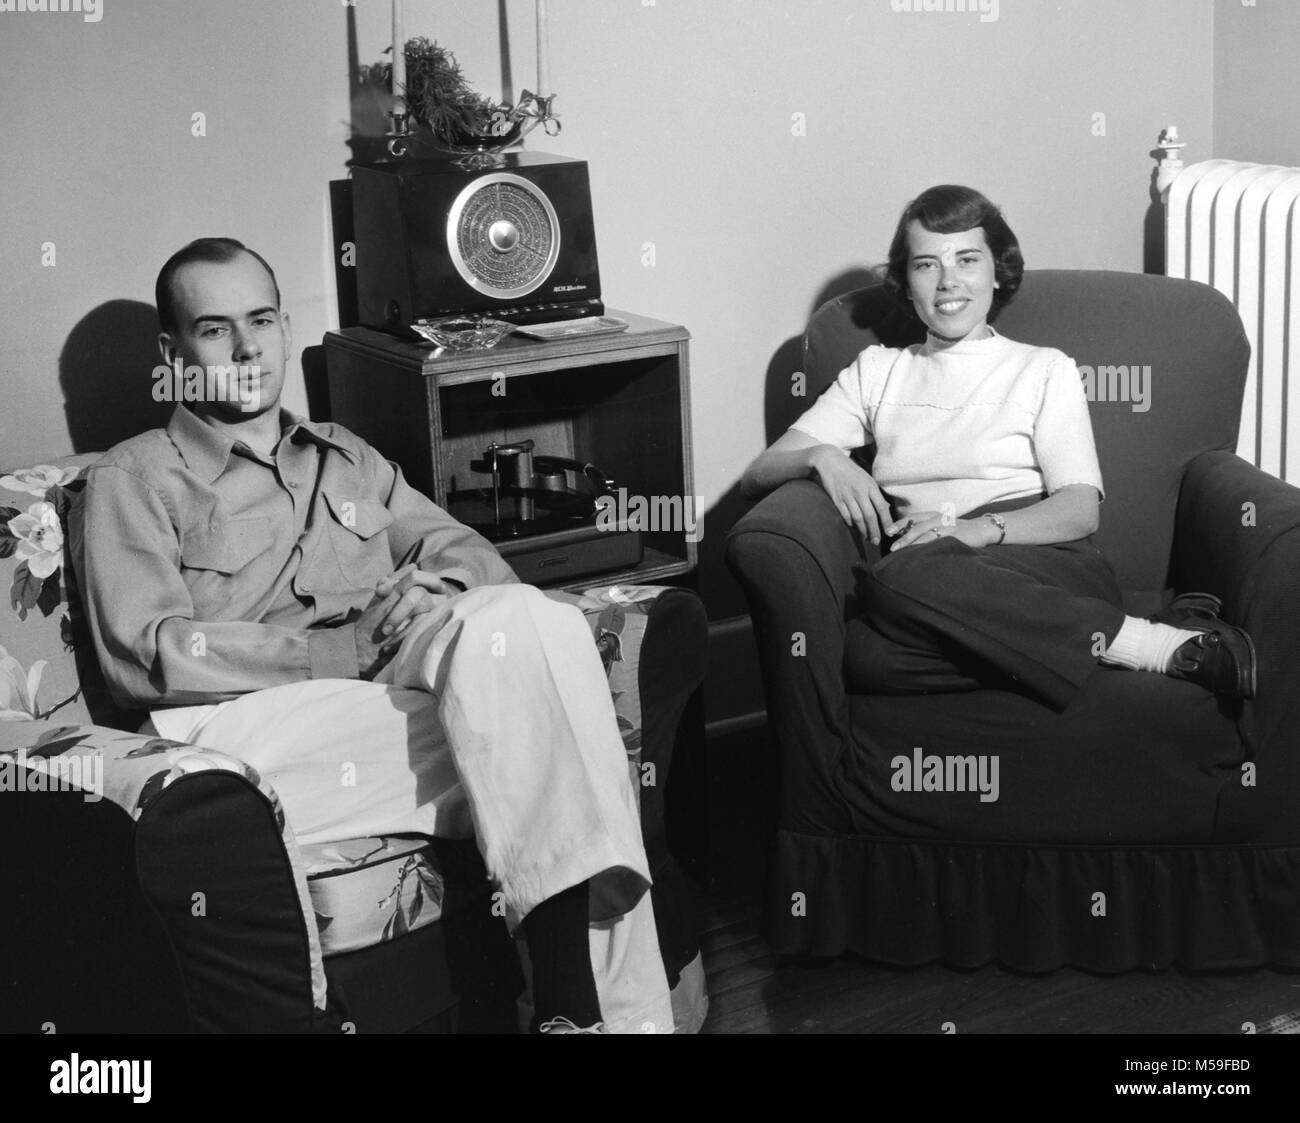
{"x":463,"y":333}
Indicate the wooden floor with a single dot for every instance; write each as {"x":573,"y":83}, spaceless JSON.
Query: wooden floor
{"x":750,"y":991}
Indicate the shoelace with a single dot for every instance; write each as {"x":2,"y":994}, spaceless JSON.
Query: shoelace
{"x":563,"y":1025}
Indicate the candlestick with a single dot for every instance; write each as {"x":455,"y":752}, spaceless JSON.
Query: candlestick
{"x":399,"y":61}
{"x":543,"y":67}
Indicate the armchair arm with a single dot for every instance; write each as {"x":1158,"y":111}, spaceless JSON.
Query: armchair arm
{"x":796,"y":559}
{"x":203,"y":845}
{"x":1237,"y":535}
{"x":652,"y":640}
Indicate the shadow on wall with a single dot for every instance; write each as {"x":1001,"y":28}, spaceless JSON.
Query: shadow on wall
{"x":1153,"y":225}
{"x":781,"y":407}
{"x":781,"y":404}
{"x":106,"y":375}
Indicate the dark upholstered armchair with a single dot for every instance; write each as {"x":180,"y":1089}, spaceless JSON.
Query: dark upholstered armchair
{"x":1148,"y":825}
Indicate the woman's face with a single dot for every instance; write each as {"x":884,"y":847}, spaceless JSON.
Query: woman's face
{"x":950,"y":279}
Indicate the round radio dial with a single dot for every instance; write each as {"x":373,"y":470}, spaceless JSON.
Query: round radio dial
{"x":504,"y":236}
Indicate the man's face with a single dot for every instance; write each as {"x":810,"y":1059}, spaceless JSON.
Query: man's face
{"x":227,"y":316}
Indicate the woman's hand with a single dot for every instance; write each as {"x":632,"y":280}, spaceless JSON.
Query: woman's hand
{"x":922,"y":527}
{"x":856,"y":495}
{"x":1067,"y":515}
{"x":797,"y":456}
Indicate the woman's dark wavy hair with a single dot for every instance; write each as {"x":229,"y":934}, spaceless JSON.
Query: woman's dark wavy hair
{"x":948,"y":209}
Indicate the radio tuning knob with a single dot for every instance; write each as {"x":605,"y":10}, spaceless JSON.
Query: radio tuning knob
{"x":504,"y":235}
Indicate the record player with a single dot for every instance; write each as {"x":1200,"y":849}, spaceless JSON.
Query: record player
{"x":544,"y":515}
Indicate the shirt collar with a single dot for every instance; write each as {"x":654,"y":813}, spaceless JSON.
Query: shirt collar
{"x":207,"y":450}
{"x":990,"y":343}
{"x":294,"y":427}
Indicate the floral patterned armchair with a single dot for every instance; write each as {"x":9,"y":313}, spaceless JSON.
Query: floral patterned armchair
{"x":161,"y":888}
{"x":31,"y":533}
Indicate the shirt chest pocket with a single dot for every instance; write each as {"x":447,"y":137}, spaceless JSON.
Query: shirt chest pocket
{"x":226,"y":547}
{"x":355,"y":529}
{"x":361,"y":518}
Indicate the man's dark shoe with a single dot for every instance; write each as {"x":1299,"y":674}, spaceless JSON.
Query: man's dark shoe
{"x":1189,"y":610}
{"x":1221,"y":659}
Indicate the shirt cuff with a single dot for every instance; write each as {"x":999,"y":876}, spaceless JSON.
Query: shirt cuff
{"x":332,"y":652}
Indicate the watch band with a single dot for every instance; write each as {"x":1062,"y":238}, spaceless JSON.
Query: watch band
{"x":998,"y":521}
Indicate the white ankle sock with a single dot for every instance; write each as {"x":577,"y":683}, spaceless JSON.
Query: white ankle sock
{"x":1144,"y":646}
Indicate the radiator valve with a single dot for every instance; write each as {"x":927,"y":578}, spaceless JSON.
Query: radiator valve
{"x":1170,"y":161}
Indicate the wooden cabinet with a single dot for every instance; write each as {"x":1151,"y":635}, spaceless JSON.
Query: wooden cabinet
{"x":621,"y":402}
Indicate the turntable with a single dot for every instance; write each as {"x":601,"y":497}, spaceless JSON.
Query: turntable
{"x":541,"y":512}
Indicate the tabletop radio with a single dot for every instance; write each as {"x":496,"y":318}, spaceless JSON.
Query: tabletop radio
{"x":515,"y":240}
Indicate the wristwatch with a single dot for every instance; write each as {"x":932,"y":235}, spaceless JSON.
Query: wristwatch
{"x":1000,"y":523}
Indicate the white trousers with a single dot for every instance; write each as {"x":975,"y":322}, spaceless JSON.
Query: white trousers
{"x":493,"y":719}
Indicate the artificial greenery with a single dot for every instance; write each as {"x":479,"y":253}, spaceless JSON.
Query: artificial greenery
{"x":437,"y":95}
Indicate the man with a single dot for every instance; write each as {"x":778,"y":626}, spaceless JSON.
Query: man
{"x":274,"y":588}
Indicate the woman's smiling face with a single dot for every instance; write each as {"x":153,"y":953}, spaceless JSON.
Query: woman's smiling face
{"x":950,"y":278}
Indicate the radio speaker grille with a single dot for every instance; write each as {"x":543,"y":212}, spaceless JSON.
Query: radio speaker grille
{"x":504,"y":236}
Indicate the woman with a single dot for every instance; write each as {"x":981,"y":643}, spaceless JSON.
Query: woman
{"x":986,"y":485}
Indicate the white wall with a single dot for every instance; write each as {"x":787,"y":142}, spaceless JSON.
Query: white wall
{"x":1256,"y":95}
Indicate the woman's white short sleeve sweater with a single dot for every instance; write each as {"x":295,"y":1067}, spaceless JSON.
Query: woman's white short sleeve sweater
{"x":974,"y":423}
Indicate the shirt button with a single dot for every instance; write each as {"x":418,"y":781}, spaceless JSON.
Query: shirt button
{"x":293,"y":483}
{"x":304,"y":587}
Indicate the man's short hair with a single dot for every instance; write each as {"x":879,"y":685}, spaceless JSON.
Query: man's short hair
{"x":214,"y":251}
{"x":950,"y":209}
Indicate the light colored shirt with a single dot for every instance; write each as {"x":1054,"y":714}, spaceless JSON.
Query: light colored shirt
{"x":209,"y":571}
{"x":971,"y":424}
